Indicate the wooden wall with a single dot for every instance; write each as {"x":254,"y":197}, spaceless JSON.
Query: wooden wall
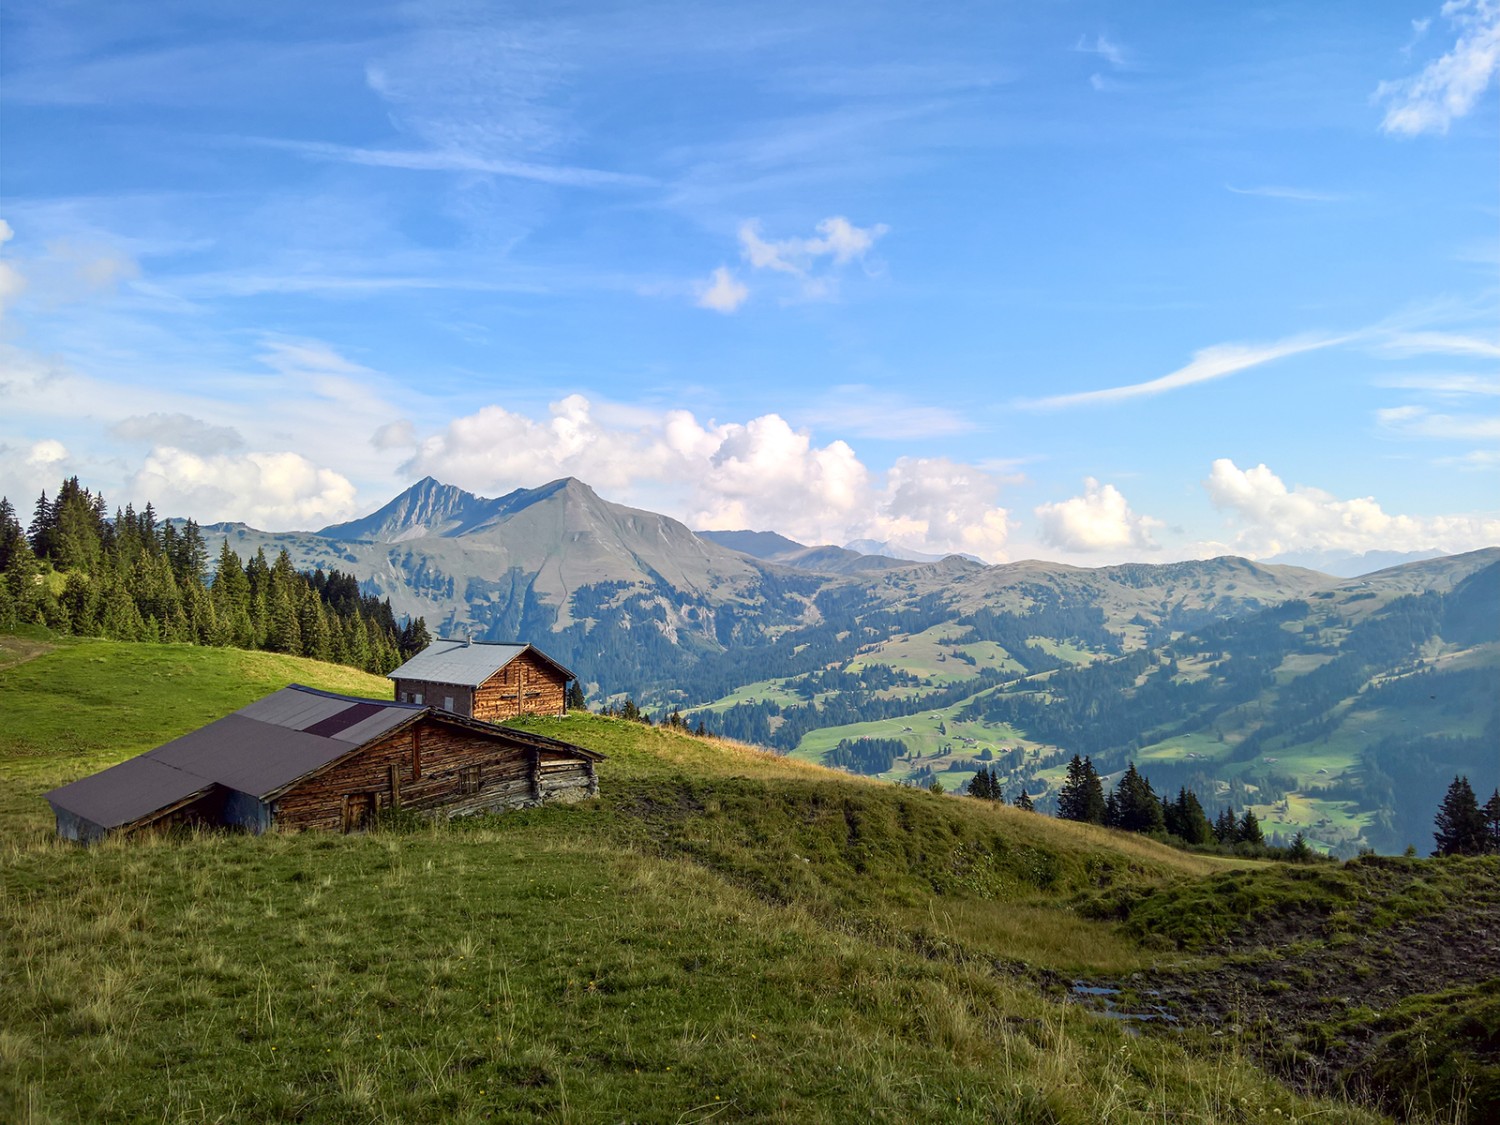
{"x":525,"y":686}
{"x":433,"y":695}
{"x":438,"y":767}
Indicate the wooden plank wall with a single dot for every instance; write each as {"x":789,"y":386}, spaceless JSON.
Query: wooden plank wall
{"x":509,"y":776}
{"x":433,"y":695}
{"x":525,"y":686}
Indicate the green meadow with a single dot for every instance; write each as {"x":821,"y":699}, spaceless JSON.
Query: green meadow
{"x":724,"y":935}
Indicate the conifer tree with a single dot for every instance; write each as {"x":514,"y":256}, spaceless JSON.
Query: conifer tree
{"x":1492,"y":820}
{"x":1226,"y":829}
{"x":1248,"y":831}
{"x":576,"y":701}
{"x":1137,"y":808}
{"x":1024,"y":801}
{"x":1082,"y":796}
{"x":1461,"y":828}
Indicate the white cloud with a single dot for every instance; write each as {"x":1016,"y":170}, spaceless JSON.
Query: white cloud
{"x":1300,"y":195}
{"x":812,"y":261}
{"x":1446,"y":385}
{"x":759,"y":475}
{"x":47,"y":454}
{"x":400,"y":434}
{"x":1443,"y":343}
{"x":722,"y":293}
{"x":1208,"y":363}
{"x":866,"y":412}
{"x":273,"y":491}
{"x":1418,"y":421}
{"x":1108,"y":50}
{"x":1273,"y":519}
{"x":1448,"y":87}
{"x":1099,"y":520}
{"x":181,"y":431}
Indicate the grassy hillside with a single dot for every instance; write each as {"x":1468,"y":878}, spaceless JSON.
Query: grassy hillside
{"x":724,"y":935}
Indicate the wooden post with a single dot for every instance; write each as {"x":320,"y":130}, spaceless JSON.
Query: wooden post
{"x":534,"y":761}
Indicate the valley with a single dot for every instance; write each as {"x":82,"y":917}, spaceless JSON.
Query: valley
{"x":1335,"y":707}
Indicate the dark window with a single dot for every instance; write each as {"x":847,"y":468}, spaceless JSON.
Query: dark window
{"x":468,"y":779}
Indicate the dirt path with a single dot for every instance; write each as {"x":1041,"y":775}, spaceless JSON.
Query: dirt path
{"x":18,"y":650}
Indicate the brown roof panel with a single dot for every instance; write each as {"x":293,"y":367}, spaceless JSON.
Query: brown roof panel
{"x":250,"y":756}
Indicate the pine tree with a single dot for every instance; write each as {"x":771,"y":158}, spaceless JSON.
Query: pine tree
{"x":1299,"y":852}
{"x":1226,"y":830}
{"x":1460,"y":823}
{"x":1137,"y":808}
{"x":1186,"y":819}
{"x":1082,"y":796}
{"x":1492,"y":820}
{"x":986,"y":785}
{"x":1248,"y":831}
{"x":576,"y":701}
{"x":1024,"y":801}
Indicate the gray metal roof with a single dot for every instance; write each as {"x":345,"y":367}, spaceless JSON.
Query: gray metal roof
{"x":466,"y":663}
{"x":257,"y":750}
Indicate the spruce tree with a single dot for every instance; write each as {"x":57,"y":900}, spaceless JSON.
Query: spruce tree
{"x":1492,"y":820}
{"x":1226,"y":830}
{"x":1461,"y":828}
{"x":1024,"y":801}
{"x":1082,"y":796}
{"x":1136,"y":806}
{"x":1248,"y":831}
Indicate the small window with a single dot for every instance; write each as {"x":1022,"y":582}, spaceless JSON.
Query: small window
{"x":468,"y":779}
{"x":447,"y":703}
{"x":416,"y":697}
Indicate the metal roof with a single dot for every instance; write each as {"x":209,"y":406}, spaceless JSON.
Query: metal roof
{"x":465,"y":663}
{"x":257,"y":750}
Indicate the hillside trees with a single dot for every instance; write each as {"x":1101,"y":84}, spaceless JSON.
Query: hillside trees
{"x":1461,"y":826}
{"x":1082,"y":796}
{"x":134,"y":577}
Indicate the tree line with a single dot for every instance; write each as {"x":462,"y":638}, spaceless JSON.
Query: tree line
{"x":134,"y":577}
{"x":1462,"y":827}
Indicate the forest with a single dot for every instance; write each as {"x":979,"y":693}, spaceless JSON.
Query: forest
{"x":135,"y":577}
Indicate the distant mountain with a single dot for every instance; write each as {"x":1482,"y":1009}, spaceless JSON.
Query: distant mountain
{"x":1349,"y":564}
{"x":891,"y":551}
{"x":827,"y":559}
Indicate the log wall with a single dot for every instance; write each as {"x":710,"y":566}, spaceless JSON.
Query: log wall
{"x":525,"y":686}
{"x":437,"y":767}
{"x":435,"y":694}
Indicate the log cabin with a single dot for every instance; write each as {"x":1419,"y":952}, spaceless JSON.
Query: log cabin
{"x":303,"y":758}
{"x":485,"y":681}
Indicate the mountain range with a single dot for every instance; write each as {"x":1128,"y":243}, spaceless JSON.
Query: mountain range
{"x":1272,"y":686}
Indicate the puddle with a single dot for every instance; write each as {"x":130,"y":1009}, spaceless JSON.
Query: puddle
{"x":1108,"y":1003}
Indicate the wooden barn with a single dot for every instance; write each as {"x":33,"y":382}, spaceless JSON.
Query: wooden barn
{"x":303,"y":758}
{"x":491,"y":682}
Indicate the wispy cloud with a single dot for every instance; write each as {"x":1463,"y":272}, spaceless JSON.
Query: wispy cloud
{"x":1447,"y":385}
{"x":1443,"y":343}
{"x":452,"y":160}
{"x":1300,"y":195}
{"x":1418,"y":421}
{"x":866,"y":412}
{"x":1107,"y":49}
{"x":1448,"y":87}
{"x":1209,"y":363}
{"x":723,"y":292}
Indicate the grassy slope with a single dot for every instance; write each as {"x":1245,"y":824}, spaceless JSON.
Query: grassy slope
{"x":725,"y":935}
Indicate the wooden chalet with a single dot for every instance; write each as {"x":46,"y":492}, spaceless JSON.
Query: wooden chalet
{"x":303,"y":758}
{"x":490,"y":682}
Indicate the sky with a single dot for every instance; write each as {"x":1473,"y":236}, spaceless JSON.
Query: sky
{"x":1081,"y":281}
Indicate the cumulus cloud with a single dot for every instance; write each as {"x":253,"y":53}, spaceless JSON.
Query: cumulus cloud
{"x":181,"y":431}
{"x":722,"y":292}
{"x":1099,"y":520}
{"x":1448,"y":87}
{"x":1274,"y":519}
{"x":761,"y":474}
{"x":274,"y":491}
{"x":47,"y":454}
{"x":1209,"y":363}
{"x":11,"y":281}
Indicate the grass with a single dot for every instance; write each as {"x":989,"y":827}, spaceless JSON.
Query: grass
{"x":724,"y":935}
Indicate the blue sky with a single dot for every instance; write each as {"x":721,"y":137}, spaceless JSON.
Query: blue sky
{"x":1084,"y":281}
